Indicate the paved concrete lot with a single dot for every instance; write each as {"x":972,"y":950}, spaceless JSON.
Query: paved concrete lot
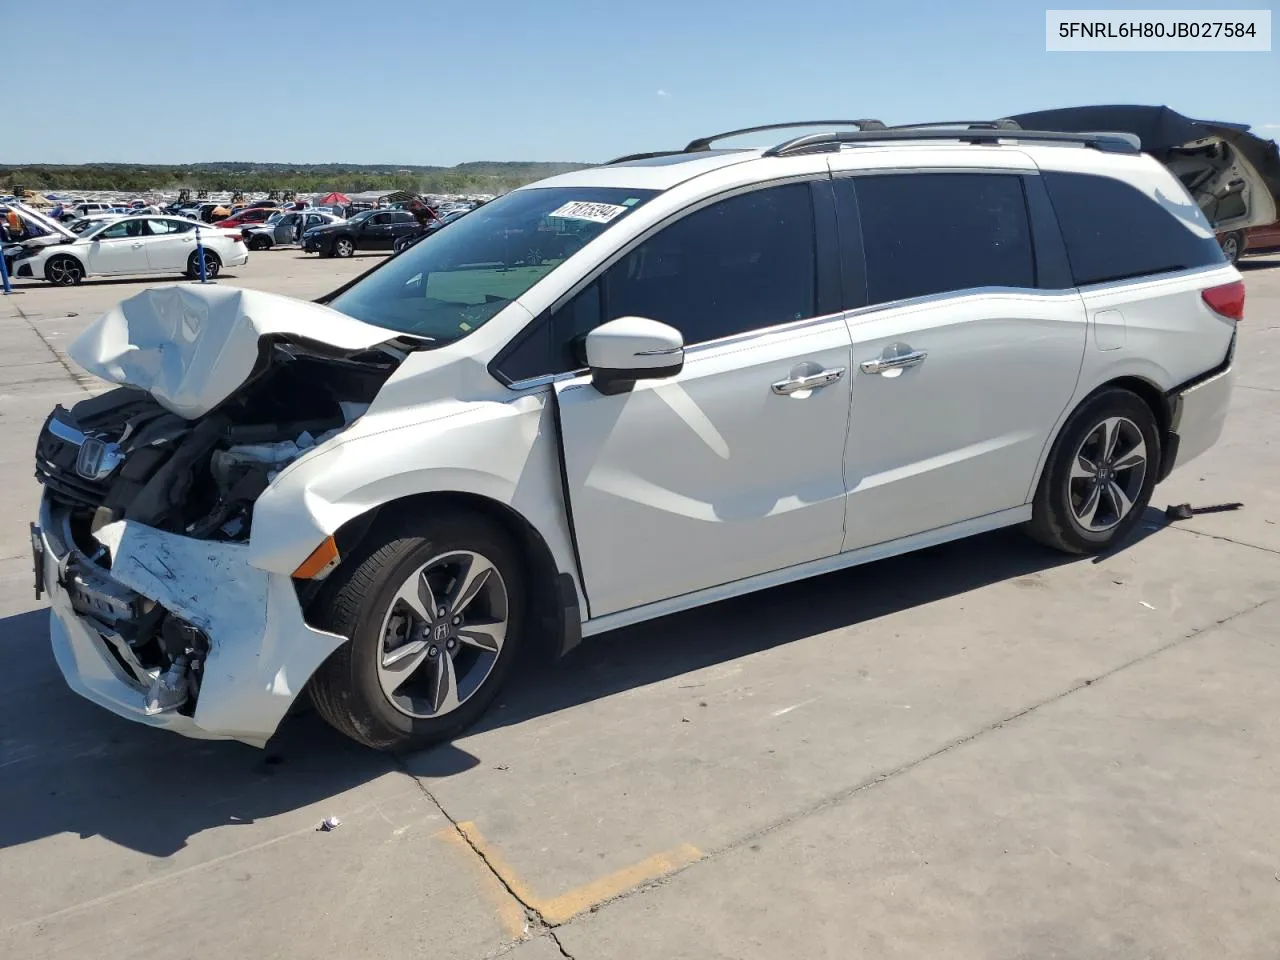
{"x":980,"y":751}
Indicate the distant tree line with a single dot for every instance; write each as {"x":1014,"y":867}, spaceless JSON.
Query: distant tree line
{"x":476,"y":177}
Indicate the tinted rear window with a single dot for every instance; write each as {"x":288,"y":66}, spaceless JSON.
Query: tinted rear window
{"x":1114,"y":231}
{"x":927,"y":233}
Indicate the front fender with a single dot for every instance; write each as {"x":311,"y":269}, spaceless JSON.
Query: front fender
{"x":504,"y":451}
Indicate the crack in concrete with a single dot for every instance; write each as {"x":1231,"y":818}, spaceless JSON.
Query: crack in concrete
{"x":509,"y":948}
{"x":537,"y":925}
{"x":838,"y":798}
{"x":75,"y":377}
{"x":559,"y":946}
{"x":1218,"y":536}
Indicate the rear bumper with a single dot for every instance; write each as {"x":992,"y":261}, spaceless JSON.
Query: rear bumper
{"x":261,"y":652}
{"x":1198,"y":412}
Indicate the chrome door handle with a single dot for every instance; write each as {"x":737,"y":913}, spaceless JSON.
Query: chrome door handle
{"x":900,"y":362}
{"x":823,"y":378}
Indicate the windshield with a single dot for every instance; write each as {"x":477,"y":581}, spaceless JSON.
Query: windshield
{"x":97,"y":226}
{"x":362,"y":215}
{"x":447,"y":285}
{"x":275,"y":218}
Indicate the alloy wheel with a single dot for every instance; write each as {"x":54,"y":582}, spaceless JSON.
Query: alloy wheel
{"x":1231,"y":248}
{"x":64,"y":271}
{"x":1107,"y":474}
{"x":442,"y":635}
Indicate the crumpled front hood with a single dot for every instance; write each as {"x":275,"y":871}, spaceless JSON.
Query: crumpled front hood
{"x":191,"y":346}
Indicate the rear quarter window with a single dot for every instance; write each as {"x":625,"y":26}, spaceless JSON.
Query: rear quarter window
{"x":1114,"y":231}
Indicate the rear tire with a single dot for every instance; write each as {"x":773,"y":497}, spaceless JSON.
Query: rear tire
{"x":259,"y":243}
{"x":349,"y":689}
{"x":1091,"y":496}
{"x":1233,"y":246}
{"x":212,"y":265}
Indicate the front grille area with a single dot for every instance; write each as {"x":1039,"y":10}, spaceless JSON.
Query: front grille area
{"x":56,"y":469}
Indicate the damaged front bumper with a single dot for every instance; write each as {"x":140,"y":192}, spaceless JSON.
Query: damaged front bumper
{"x":260,"y":651}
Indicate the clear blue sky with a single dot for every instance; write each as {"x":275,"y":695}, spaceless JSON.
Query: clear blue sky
{"x":439,"y":82}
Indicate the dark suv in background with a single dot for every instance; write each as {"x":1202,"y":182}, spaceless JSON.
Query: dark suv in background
{"x":368,"y":230}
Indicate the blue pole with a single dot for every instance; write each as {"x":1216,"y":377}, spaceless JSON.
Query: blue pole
{"x":200,"y":256}
{"x":4,"y":276}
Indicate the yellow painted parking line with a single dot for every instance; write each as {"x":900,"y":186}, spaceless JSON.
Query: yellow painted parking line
{"x":510,"y":912}
{"x":583,"y":898}
{"x":580,"y":899}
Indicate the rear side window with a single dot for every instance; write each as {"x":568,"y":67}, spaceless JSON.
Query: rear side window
{"x":928,"y":233}
{"x":1114,"y":231}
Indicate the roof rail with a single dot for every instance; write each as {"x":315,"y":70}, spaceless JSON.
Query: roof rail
{"x":971,"y":124}
{"x":818,"y":142}
{"x":641,"y":156}
{"x":704,"y":143}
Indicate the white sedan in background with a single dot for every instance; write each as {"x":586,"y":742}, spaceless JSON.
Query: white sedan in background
{"x":133,"y":245}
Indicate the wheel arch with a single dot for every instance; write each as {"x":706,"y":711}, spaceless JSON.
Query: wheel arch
{"x":553,"y":594}
{"x":62,"y":254}
{"x":1148,"y":392}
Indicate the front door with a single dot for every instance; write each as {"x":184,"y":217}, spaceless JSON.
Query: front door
{"x":120,"y":248}
{"x":962,"y":365}
{"x":733,"y":467}
{"x":377,"y":234}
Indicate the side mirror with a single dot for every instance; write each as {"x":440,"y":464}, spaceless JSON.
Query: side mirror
{"x":628,"y":349}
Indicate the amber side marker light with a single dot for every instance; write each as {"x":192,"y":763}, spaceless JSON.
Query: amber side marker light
{"x":1226,"y":300}
{"x":321,"y":562}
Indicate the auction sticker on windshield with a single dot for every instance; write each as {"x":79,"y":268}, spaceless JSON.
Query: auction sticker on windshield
{"x":583,"y":210}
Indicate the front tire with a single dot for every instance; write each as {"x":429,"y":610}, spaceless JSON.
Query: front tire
{"x":64,"y":271}
{"x":1099,"y":476}
{"x":343,"y":247}
{"x":410,"y":675}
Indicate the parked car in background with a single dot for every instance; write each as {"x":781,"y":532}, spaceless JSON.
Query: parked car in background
{"x":282,"y":228}
{"x":370,"y":230}
{"x":208,"y":208}
{"x":405,"y":242}
{"x":133,"y":245}
{"x":1255,"y":240}
{"x":247,"y":216}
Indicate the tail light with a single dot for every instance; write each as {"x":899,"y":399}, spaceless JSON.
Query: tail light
{"x":1226,"y":300}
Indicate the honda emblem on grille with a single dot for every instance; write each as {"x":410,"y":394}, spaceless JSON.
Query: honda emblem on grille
{"x":89,"y":461}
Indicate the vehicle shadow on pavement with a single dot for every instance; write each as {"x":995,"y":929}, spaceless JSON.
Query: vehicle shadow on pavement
{"x":725,"y":631}
{"x":69,"y":767}
{"x":1268,"y":263}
